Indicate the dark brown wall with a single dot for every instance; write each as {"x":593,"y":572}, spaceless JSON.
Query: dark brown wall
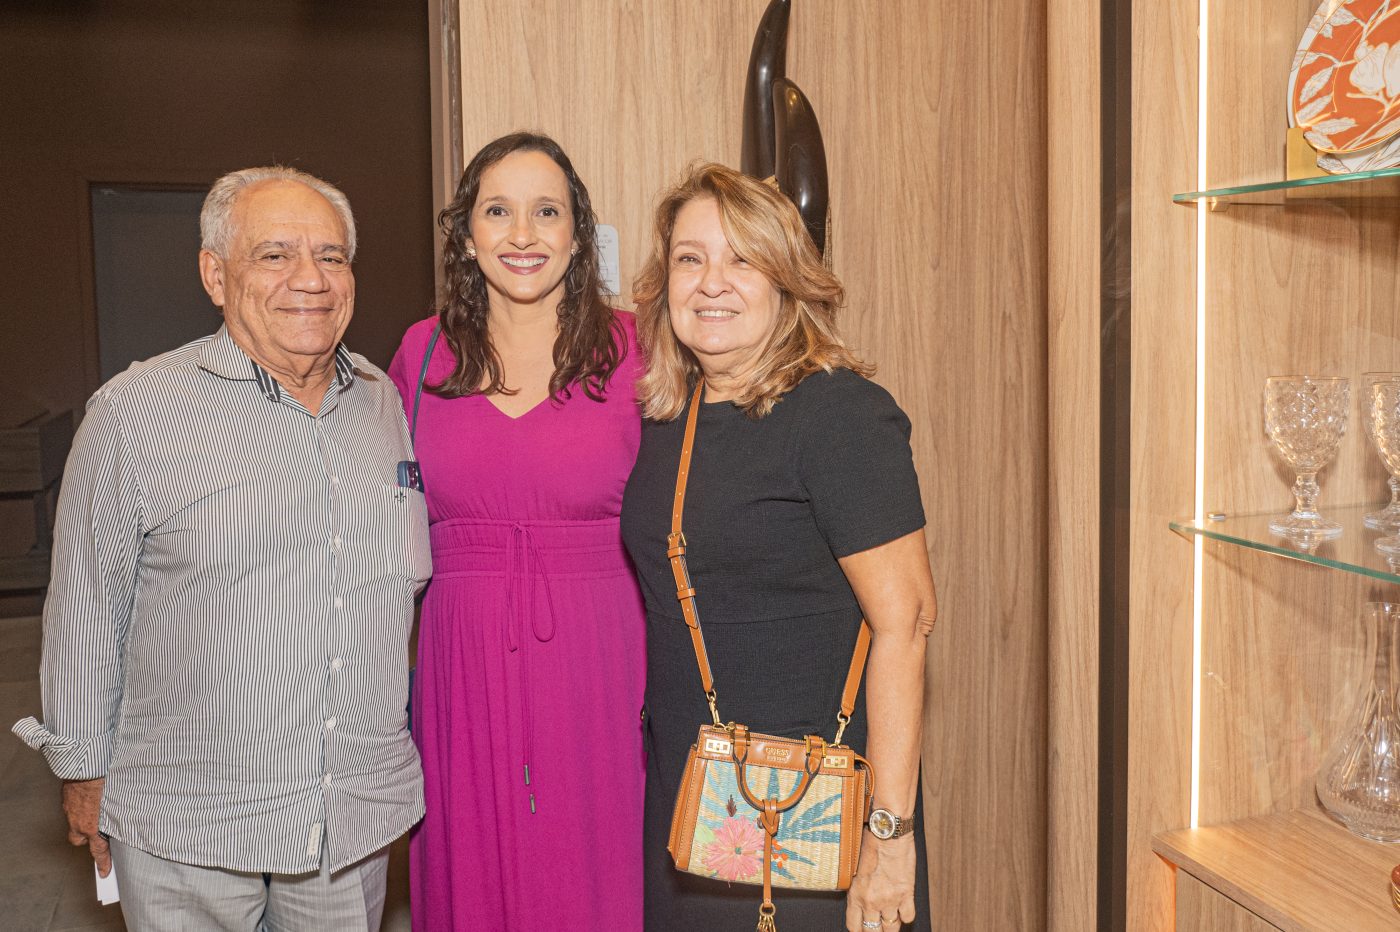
{"x":131,"y":91}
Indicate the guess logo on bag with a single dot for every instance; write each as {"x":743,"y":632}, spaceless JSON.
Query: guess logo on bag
{"x":777,"y":755}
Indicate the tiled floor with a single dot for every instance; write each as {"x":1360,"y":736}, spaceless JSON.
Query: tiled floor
{"x":46,"y":885}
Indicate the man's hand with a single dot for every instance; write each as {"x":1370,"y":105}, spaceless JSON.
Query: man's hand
{"x":82,"y":803}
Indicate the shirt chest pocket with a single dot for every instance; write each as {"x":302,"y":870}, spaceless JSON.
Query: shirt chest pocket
{"x":396,"y":529}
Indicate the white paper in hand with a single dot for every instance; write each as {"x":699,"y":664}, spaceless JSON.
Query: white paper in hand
{"x":106,"y":886}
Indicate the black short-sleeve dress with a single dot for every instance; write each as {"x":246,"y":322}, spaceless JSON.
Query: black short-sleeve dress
{"x":770,"y":506}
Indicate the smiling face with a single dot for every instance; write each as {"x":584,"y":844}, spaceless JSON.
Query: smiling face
{"x":722,"y":308}
{"x":285,"y":287}
{"x":522,"y":226}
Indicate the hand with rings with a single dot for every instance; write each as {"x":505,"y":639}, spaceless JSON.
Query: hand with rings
{"x":882,"y":892}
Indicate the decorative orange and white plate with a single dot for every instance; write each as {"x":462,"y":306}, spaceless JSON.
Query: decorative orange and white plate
{"x":1344,"y":88}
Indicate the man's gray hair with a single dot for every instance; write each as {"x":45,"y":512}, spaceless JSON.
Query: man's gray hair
{"x":216,"y":217}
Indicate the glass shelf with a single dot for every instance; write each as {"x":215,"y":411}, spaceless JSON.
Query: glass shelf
{"x":1383,"y":183}
{"x":1353,"y":552}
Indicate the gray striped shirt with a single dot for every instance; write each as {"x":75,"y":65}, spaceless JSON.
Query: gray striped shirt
{"x":225,"y":637}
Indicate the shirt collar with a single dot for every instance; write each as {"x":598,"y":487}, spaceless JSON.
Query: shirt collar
{"x":224,"y":358}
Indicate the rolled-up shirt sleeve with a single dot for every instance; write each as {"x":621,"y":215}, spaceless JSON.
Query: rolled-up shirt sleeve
{"x":97,"y":546}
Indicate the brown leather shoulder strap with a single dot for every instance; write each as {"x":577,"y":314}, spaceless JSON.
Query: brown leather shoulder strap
{"x":853,"y":676}
{"x":685,"y":591}
{"x":675,"y":551}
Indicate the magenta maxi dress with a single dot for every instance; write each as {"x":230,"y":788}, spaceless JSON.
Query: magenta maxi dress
{"x":531,"y":660}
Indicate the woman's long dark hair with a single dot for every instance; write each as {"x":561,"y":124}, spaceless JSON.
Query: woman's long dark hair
{"x":590,"y":345}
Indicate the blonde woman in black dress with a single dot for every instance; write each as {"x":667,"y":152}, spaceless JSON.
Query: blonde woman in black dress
{"x":802,"y":515}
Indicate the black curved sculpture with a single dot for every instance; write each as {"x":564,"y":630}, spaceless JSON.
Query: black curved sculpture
{"x":800,"y":167}
{"x":767,"y":62}
{"x":781,"y":138}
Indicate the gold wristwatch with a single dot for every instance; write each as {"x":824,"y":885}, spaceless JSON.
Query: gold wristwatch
{"x":885,"y":824}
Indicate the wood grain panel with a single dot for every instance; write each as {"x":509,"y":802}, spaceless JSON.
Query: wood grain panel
{"x":445,"y":91}
{"x":1200,"y":907}
{"x":1163,"y":270}
{"x":1280,"y":645}
{"x":936,"y":154}
{"x":1251,"y":48}
{"x":1073,"y":63}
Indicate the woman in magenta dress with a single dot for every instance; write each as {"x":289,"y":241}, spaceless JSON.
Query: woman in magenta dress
{"x":531,"y":651}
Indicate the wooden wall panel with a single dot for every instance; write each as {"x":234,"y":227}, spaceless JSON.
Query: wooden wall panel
{"x":1163,"y":296}
{"x":1074,"y":90}
{"x":445,"y":93}
{"x":1281,"y":644}
{"x":934,"y":122}
{"x":1251,"y":48}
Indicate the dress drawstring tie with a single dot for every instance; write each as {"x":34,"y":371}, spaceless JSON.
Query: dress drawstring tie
{"x":523,"y":563}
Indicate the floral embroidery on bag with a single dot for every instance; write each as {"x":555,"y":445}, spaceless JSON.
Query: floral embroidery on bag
{"x":737,"y":851}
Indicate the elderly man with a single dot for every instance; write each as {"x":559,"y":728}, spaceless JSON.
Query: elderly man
{"x":236,"y":559}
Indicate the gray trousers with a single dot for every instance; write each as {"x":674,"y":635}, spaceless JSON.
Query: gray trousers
{"x":166,"y":896}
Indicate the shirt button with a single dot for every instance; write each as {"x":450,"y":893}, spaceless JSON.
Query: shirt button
{"x":335,"y":542}
{"x":327,"y":780}
{"x":330,"y":722}
{"x":337,"y":663}
{"x":335,"y":480}
{"x":339,"y":602}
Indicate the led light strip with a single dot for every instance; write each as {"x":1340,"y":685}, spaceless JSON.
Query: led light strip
{"x":1198,"y":552}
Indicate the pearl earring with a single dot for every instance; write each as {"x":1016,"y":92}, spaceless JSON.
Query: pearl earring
{"x":471,"y":252}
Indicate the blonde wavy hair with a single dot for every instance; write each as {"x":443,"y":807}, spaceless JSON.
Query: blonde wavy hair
{"x":765,"y":228}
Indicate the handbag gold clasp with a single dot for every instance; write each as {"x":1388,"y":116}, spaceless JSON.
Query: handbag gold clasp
{"x":711,"y":697}
{"x":841,"y":722}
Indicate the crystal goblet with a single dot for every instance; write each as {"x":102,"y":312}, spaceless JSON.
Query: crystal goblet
{"x":1388,"y":518}
{"x":1383,"y":413}
{"x":1306,"y":417}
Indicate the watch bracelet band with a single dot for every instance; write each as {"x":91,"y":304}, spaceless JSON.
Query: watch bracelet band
{"x":904,"y":827}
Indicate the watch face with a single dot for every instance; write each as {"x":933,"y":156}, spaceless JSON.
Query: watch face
{"x":882,"y":823}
